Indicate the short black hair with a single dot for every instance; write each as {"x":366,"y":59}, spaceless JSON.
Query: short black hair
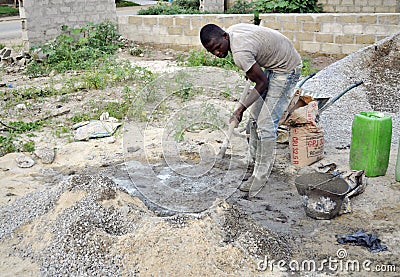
{"x":209,"y":32}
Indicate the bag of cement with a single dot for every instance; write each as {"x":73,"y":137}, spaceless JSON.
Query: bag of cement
{"x":95,"y":129}
{"x":306,"y":136}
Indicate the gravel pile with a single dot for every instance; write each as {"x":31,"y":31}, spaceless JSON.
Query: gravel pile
{"x":87,"y":226}
{"x":378,"y":66}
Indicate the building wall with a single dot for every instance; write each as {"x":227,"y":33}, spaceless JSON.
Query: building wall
{"x":360,"y":6}
{"x":42,"y":19}
{"x":326,"y":33}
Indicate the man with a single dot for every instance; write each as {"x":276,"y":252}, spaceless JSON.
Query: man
{"x":255,"y":48}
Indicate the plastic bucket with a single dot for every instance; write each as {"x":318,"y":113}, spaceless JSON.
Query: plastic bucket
{"x":322,"y":193}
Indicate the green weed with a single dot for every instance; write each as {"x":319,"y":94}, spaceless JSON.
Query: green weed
{"x":307,"y":68}
{"x":204,"y":58}
{"x":76,"y":48}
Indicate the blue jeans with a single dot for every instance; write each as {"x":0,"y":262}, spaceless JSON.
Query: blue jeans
{"x":268,"y":109}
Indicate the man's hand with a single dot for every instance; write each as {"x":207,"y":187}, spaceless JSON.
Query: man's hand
{"x":237,"y":117}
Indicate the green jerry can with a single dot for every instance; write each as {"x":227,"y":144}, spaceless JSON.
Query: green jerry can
{"x":371,"y":136}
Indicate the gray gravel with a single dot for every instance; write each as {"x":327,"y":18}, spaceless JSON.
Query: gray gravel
{"x":378,"y":66}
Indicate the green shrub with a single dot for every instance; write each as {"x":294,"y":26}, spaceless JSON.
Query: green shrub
{"x":122,"y":3}
{"x":77,"y":48}
{"x":166,"y":9}
{"x":287,"y":6}
{"x":7,"y":10}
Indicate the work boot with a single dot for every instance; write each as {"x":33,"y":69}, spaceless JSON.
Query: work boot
{"x":265,"y":157}
{"x":253,"y":141}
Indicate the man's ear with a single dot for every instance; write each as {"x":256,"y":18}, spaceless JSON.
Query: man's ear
{"x":225,"y":36}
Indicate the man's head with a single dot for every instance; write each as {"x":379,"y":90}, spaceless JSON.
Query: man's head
{"x":215,"y":40}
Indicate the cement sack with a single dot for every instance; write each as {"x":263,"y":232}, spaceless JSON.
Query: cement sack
{"x":306,"y":144}
{"x":306,"y":136}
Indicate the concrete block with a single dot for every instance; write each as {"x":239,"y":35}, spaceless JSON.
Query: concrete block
{"x":331,"y":48}
{"x":389,"y":3}
{"x":389,"y":19}
{"x":135,"y":20}
{"x":310,"y":47}
{"x":328,"y":38}
{"x":286,"y":18}
{"x":370,"y":19}
{"x":183,"y":21}
{"x":191,"y":32}
{"x":291,"y":26}
{"x":272,"y":25}
{"x":311,"y":27}
{"x":353,"y":29}
{"x":367,"y":9}
{"x":332,"y":28}
{"x":289,"y":35}
{"x":268,"y":18}
{"x":350,"y":48}
{"x":352,"y":18}
{"x":365,"y":39}
{"x":305,"y":36}
{"x":150,"y":20}
{"x":305,"y":18}
{"x":174,"y":30}
{"x":324,"y":18}
{"x":347,"y":2}
{"x":375,"y":30}
{"x":342,"y":39}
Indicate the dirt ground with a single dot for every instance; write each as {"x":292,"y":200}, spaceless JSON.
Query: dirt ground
{"x":128,"y":205}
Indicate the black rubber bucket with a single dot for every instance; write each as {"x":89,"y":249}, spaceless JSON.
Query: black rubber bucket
{"x":322,"y":193}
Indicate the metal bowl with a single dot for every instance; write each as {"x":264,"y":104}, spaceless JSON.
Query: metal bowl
{"x":322,"y":193}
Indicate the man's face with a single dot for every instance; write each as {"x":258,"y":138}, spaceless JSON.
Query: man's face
{"x":219,"y":46}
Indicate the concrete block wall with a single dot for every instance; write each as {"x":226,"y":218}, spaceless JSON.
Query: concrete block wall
{"x":360,"y":6}
{"x":333,"y":34}
{"x":173,"y":31}
{"x":42,"y":19}
{"x":339,"y":34}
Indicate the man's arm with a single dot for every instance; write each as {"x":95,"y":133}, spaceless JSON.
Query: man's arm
{"x":256,"y":75}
